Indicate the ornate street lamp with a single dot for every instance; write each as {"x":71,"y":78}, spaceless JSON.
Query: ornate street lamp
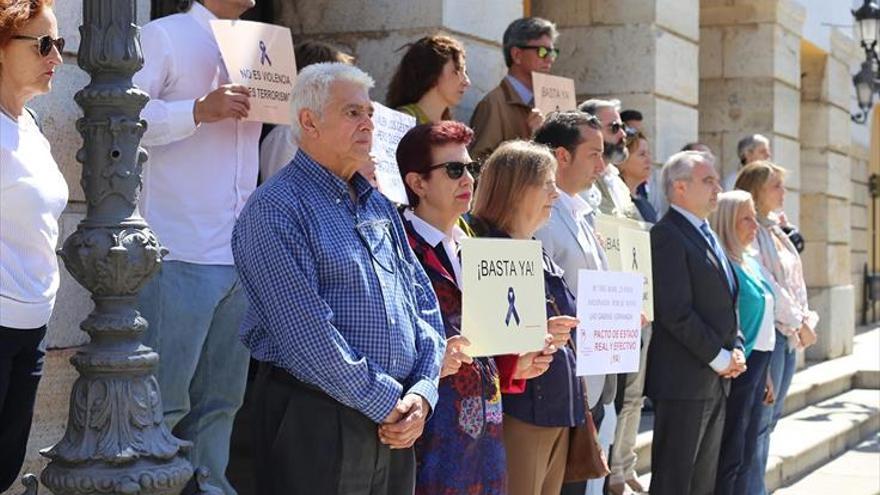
{"x":116,"y":440}
{"x":867,"y":81}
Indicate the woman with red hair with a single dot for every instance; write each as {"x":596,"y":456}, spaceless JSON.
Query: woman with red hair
{"x":33,"y":194}
{"x":461,"y":449}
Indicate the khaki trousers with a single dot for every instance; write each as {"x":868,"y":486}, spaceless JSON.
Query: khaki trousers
{"x":535,"y":457}
{"x":623,"y":455}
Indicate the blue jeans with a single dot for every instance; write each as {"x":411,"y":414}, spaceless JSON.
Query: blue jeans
{"x":783,"y":362}
{"x":745,"y":407}
{"x":194,"y":313}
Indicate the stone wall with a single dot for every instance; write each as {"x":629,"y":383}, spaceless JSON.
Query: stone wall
{"x":375,"y":32}
{"x":859,"y":214}
{"x":750,"y":81}
{"x":826,"y":171}
{"x":644,"y":53}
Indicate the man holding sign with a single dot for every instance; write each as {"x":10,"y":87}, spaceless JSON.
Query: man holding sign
{"x":203,"y":160}
{"x":507,"y":111}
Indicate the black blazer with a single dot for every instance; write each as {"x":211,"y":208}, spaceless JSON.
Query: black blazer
{"x":694,"y":314}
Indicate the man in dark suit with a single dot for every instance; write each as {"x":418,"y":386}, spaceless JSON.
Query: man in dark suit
{"x":696,"y":348}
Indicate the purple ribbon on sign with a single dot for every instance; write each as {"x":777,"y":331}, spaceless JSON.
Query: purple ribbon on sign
{"x":264,"y":57}
{"x":511,"y":307}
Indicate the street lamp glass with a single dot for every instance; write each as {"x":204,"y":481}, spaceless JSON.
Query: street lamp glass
{"x":864,"y":88}
{"x":868,"y":19}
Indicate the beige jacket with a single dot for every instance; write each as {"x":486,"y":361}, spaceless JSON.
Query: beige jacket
{"x":500,"y":116}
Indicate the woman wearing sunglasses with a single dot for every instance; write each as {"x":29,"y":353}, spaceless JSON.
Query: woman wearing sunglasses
{"x":461,"y":449}
{"x":514,"y":198}
{"x":430,"y":80}
{"x":33,"y":194}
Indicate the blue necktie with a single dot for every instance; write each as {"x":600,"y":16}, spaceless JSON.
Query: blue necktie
{"x":719,"y":253}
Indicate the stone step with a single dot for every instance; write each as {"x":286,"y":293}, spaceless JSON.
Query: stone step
{"x":811,"y":385}
{"x":809,"y":438}
{"x":855,"y":472}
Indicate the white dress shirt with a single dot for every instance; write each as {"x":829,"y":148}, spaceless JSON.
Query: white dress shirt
{"x":197,"y":178}
{"x":583,"y":215}
{"x":433,"y":236}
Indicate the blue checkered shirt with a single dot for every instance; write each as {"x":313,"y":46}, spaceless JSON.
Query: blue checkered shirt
{"x":337,"y":297}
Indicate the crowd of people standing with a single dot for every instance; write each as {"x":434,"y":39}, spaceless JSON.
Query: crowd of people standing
{"x":350,"y":306}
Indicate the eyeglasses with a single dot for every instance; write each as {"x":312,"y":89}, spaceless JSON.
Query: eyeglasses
{"x":615,"y":127}
{"x":44,"y":43}
{"x":543,"y":51}
{"x":454,"y":170}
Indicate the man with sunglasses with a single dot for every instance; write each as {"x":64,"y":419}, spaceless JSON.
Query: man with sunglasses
{"x":507,"y":111}
{"x":610,"y":193}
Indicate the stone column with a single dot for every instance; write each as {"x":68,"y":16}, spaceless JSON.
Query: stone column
{"x":643,"y":52}
{"x":826,"y":191}
{"x":376,"y":34}
{"x":750,"y":81}
{"x":115,"y":440}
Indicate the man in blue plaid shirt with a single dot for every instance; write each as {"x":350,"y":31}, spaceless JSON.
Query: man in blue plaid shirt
{"x":342,"y":317}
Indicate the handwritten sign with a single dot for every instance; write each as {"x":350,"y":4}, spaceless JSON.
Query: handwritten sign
{"x":553,"y":93}
{"x":627,"y":245}
{"x":609,"y":308}
{"x":389,"y":127}
{"x":259,"y":56}
{"x":503,"y":303}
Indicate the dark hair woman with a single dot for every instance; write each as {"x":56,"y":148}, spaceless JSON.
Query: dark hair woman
{"x":34,"y":194}
{"x":430,"y":80}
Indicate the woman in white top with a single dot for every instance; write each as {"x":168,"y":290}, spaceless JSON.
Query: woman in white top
{"x":33,"y":194}
{"x":795,"y":322}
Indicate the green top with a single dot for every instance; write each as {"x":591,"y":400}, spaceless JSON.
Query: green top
{"x":751,"y":301}
{"x":416,"y":111}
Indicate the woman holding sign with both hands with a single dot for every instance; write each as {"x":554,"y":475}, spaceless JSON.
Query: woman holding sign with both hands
{"x":461,"y":449}
{"x":516,"y":193}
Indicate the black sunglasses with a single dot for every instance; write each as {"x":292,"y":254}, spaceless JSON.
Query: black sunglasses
{"x":454,"y":170}
{"x":615,"y":127}
{"x":543,"y":51}
{"x":44,"y":43}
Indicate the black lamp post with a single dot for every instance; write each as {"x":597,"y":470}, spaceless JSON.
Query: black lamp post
{"x":867,"y":81}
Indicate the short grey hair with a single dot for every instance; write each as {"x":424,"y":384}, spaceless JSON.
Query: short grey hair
{"x":593,"y":105}
{"x":523,"y":30}
{"x":312,"y":89}
{"x":680,"y":166}
{"x":748,"y":144}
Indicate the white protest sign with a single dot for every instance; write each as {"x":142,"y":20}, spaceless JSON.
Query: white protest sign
{"x":553,"y":93}
{"x":609,"y":308}
{"x":503,"y":302}
{"x":627,"y":245}
{"x":389,"y":127}
{"x":259,"y":56}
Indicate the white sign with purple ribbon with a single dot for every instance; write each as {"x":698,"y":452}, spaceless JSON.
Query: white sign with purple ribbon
{"x":259,"y":56}
{"x":503,"y":302}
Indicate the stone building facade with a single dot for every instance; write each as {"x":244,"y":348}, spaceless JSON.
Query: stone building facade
{"x":708,"y":70}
